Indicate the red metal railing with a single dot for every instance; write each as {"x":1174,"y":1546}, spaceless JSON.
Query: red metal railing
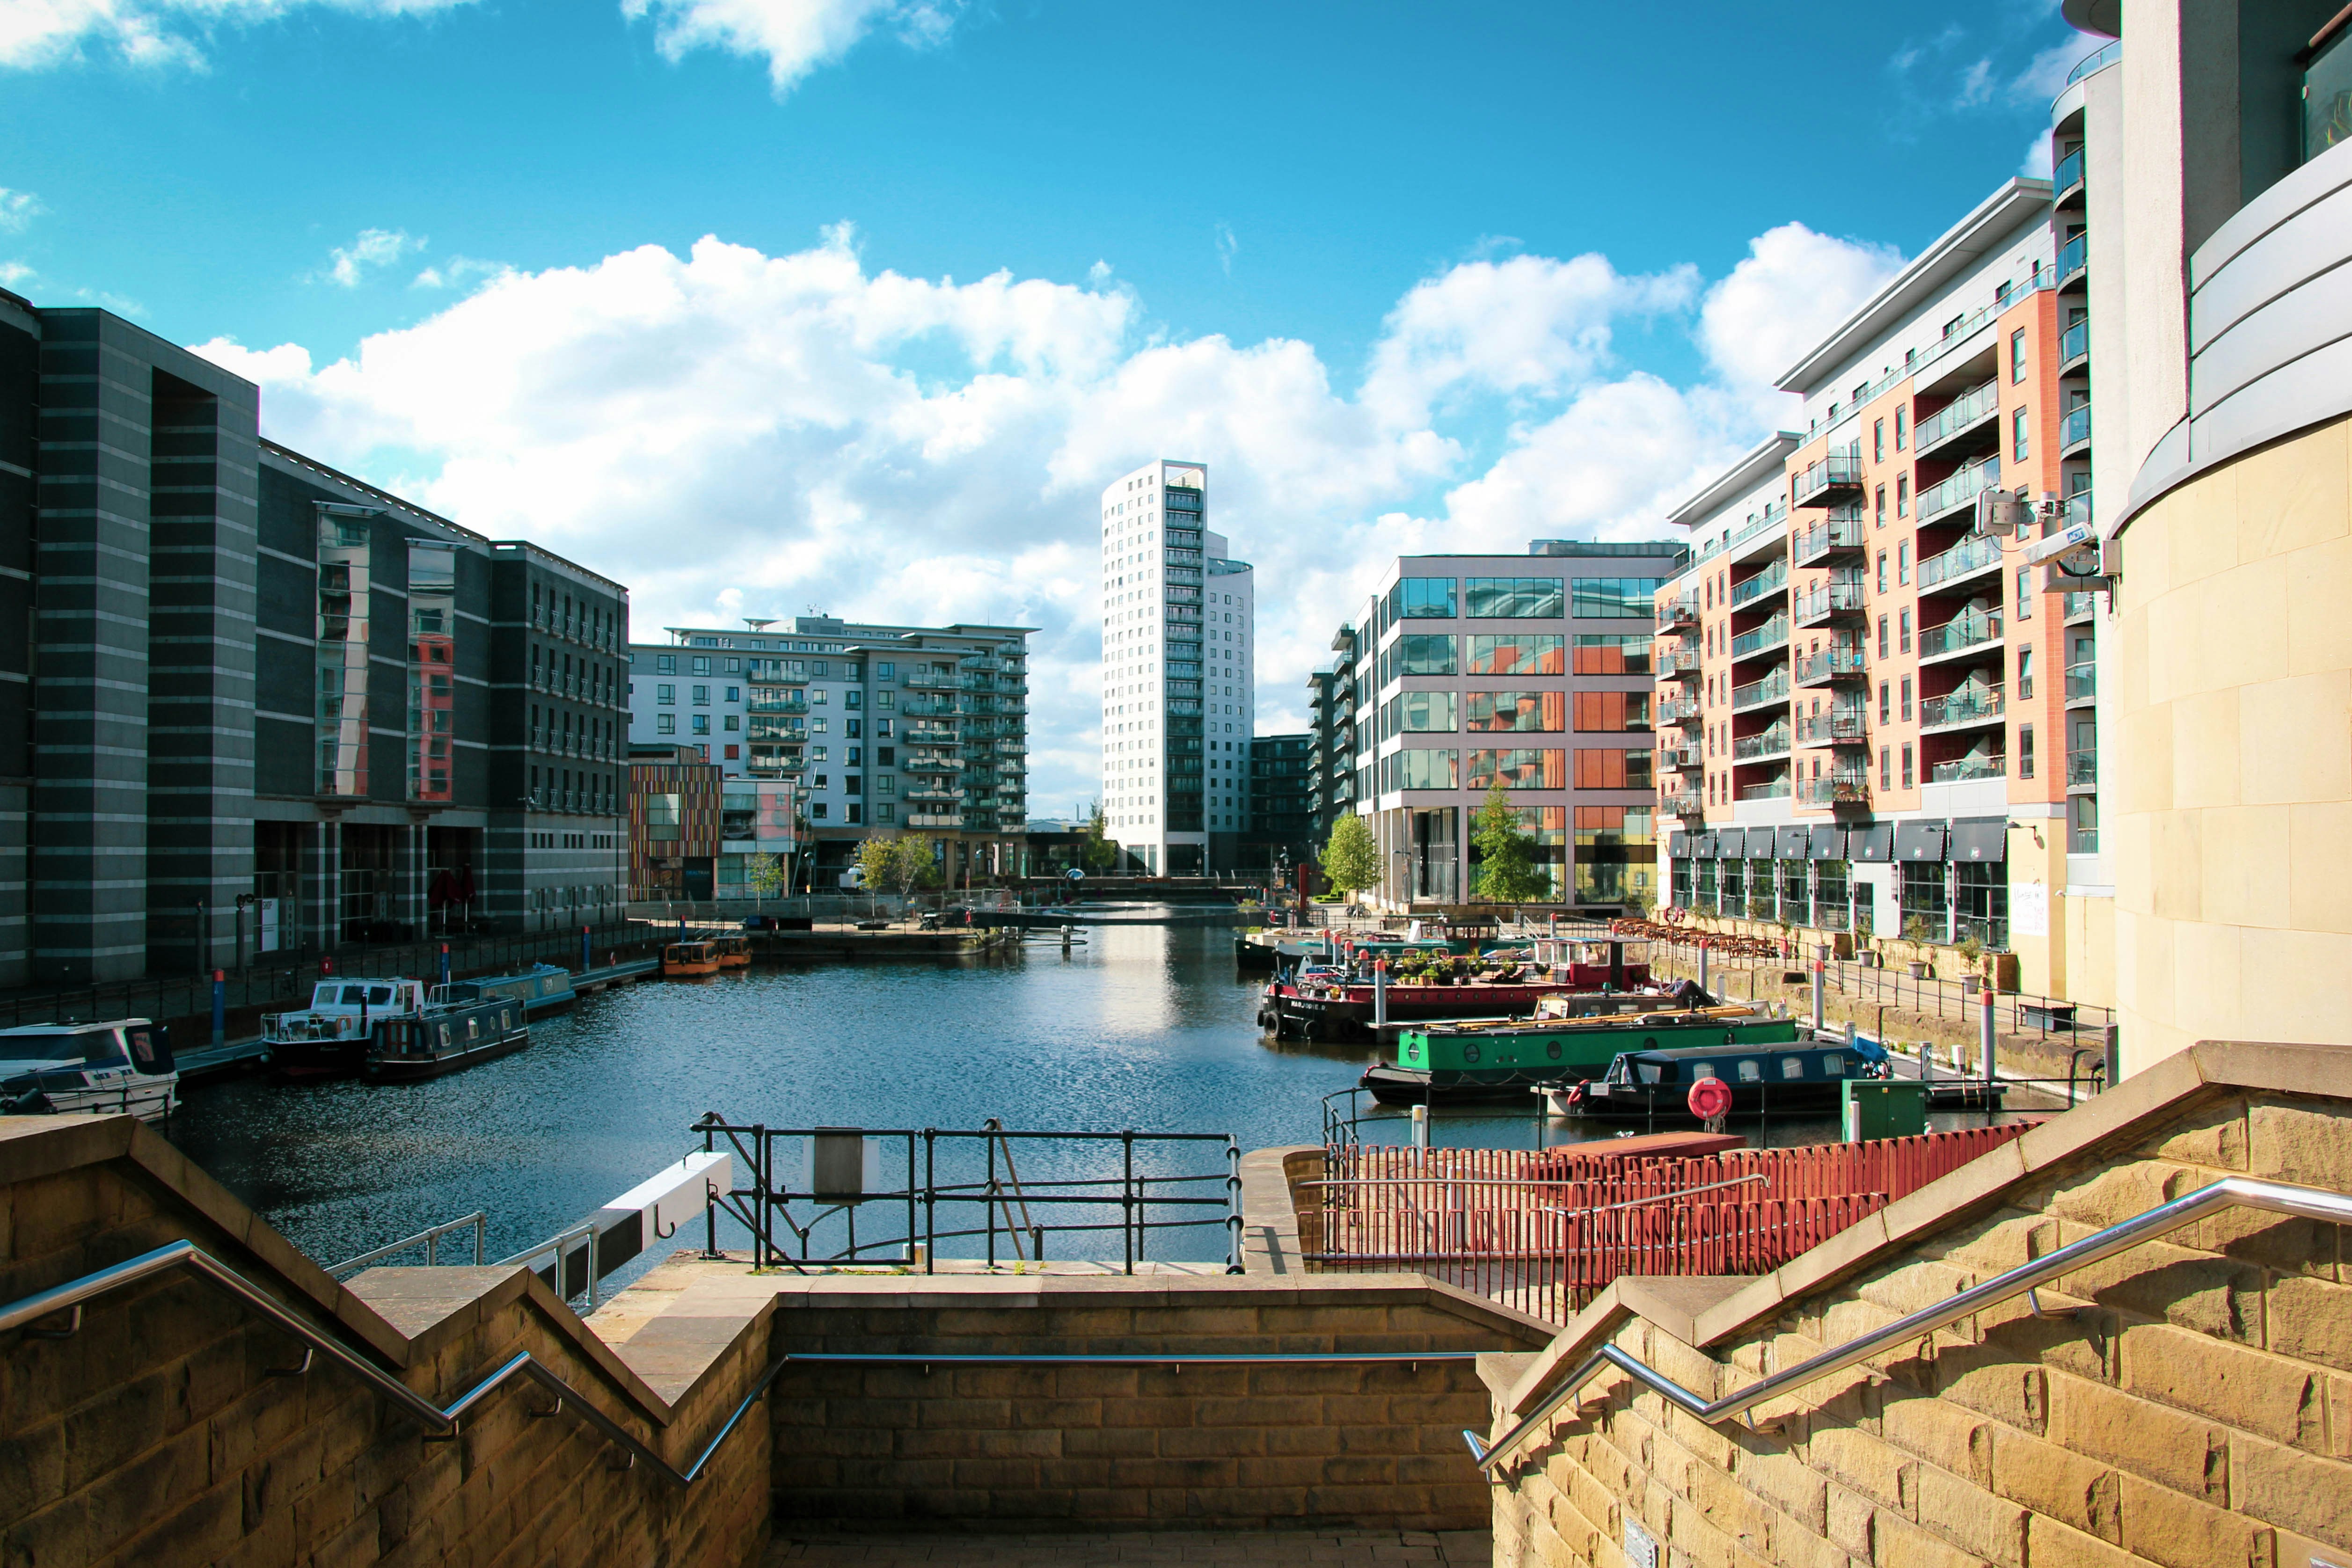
{"x":1545,"y":1231}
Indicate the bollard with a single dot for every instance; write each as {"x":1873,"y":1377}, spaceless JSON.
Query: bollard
{"x":220,"y":1007}
{"x":2114,"y":1056}
{"x":1380,"y":993}
{"x":1819,"y":1001}
{"x":1702,"y":970}
{"x":587,"y":960}
{"x":444,"y":963}
{"x":1421,"y":1129}
{"x":1984,"y":1034}
{"x":1849,"y":1034}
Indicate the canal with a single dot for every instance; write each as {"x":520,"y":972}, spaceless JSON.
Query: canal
{"x":1143,"y":1028}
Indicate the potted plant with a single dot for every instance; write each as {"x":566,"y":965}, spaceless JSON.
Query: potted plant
{"x":1915,"y":930}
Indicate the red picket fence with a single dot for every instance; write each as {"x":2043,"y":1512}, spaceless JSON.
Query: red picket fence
{"x":1547,"y":1230}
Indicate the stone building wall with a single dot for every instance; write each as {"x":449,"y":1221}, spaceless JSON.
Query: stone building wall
{"x":2198,"y":1413}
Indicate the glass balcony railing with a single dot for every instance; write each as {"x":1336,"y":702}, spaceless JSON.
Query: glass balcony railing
{"x":1763,"y":583}
{"x":1772,"y":742}
{"x":1966,"y":705}
{"x":1677,"y":713}
{"x":2073,"y":256}
{"x":794,"y":703}
{"x":1678,"y":613}
{"x":2081,"y":768}
{"x":1958,"y":634}
{"x":1961,"y":769}
{"x":2072,"y":606}
{"x":2099,"y":61}
{"x":1836,"y":790}
{"x":1772,"y":635}
{"x":1837,"y":471}
{"x":1971,"y":556}
{"x":2082,"y":682}
{"x":1840,"y":726}
{"x":1686,"y":803}
{"x":1961,"y":489}
{"x":1970,"y":409}
{"x":2075,"y":428}
{"x":1833,"y":662}
{"x":2069,"y":172}
{"x":1844,"y":597}
{"x":1771,"y":688}
{"x":1678,"y":662}
{"x":2074,"y":343}
{"x":1771,"y":789}
{"x":1827,"y":537}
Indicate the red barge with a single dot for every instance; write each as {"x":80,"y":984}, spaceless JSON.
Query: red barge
{"x":1301,"y":1004}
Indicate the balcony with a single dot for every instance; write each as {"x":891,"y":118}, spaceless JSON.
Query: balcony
{"x":932,"y":792}
{"x":1973,"y":556}
{"x":1830,"y":600}
{"x":2081,"y":685}
{"x":2075,"y":430}
{"x":1973,"y":410}
{"x":1677,"y":713}
{"x":1678,"y":662}
{"x":1962,"y":634}
{"x":1962,"y":710}
{"x":2074,"y":256}
{"x":2073,"y":607}
{"x":1686,"y":803}
{"x":1676,"y":613}
{"x":931,"y":734}
{"x":1178,"y":574}
{"x":1834,"y":475}
{"x":2074,"y":347}
{"x":2083,"y":769}
{"x":778,"y":672}
{"x":1752,"y":588}
{"x":932,"y":680}
{"x":1678,"y":758}
{"x":778,"y":765}
{"x":1771,"y":789}
{"x":1181,"y":557}
{"x":1837,"y":790}
{"x":1838,"y":726}
{"x":932,"y":762}
{"x":1960,"y":490}
{"x":1759,"y":748}
{"x":1773,"y":634}
{"x":1961,"y":770}
{"x":1830,"y":537}
{"x":2067,"y":175}
{"x":1838,"y":661}
{"x":794,"y":703}
{"x":1773,"y":688}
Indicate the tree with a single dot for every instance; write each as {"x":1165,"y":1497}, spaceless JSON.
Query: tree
{"x":1508,"y":872}
{"x":1351,"y":862}
{"x":764,"y":874}
{"x":877,"y":858}
{"x":1100,"y":853}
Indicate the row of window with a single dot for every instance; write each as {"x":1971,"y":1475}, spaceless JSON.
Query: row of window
{"x":1443,"y":767}
{"x":1513,"y":653}
{"x":1517,"y":599}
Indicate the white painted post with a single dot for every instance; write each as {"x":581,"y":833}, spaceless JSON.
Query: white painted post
{"x":1380,"y":993}
{"x":1985,"y":1033}
{"x":1420,"y":1128}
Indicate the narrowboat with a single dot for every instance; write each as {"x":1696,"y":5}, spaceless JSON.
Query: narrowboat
{"x":1451,"y":1063}
{"x":542,"y":988}
{"x":448,"y":1033}
{"x":1300,"y":1004}
{"x":734,"y":952}
{"x":122,"y":1066}
{"x":690,"y":958}
{"x":1763,"y":1076}
{"x":331,"y":1037}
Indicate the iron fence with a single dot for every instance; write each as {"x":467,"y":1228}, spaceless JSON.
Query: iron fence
{"x":962,"y":1187}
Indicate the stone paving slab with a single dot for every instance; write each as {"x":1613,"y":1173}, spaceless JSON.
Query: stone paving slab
{"x":1324,"y":1548}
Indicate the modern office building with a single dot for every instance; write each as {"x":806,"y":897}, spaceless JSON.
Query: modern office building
{"x":1532,"y":670}
{"x":1282,"y":795}
{"x":1178,"y":617}
{"x":880,"y":728}
{"x":1869,"y":668}
{"x":1331,"y":745}
{"x":260,"y":705}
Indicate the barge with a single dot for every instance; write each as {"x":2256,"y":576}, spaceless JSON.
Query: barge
{"x":1464,"y":1060}
{"x":1764,"y":1077}
{"x":394,"y":1030}
{"x":1344,"y":1001}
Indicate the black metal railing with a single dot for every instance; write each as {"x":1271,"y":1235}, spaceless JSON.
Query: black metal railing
{"x":962,"y":1187}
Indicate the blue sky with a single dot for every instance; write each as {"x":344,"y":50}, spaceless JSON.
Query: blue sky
{"x":1402,"y":276}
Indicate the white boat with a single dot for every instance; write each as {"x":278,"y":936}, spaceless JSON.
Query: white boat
{"x":122,"y":1066}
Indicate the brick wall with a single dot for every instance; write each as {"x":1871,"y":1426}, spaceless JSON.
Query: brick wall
{"x":158,"y":1434}
{"x":1229,"y":1447}
{"x":2197,"y":1414}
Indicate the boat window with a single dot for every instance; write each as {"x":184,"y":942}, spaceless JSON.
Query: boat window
{"x":1652,"y":1072}
{"x":1551,"y":1049}
{"x":473,"y":1029}
{"x":378,"y":996}
{"x":143,"y":1055}
{"x":65,"y":1045}
{"x":354,"y":996}
{"x":1792,"y":1067}
{"x":1752,"y":1072}
{"x":1470,"y":1052}
{"x":324,"y":996}
{"x":445,"y":1037}
{"x":1833,"y":1065}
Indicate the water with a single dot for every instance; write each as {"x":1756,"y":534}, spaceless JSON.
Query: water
{"x":1147,"y":1027}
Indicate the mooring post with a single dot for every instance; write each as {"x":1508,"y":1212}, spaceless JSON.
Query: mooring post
{"x":1821,"y":968}
{"x":1985,"y":1039}
{"x":1702,"y":969}
{"x":1380,"y":993}
{"x":220,"y":1007}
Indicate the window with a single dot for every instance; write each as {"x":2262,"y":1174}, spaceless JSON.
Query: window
{"x":1902,"y":494}
{"x":1885,"y":778}
{"x":2017,"y":362}
{"x":734,"y":723}
{"x":1606,"y":711}
{"x":1880,"y":516}
{"x":1530,"y":653}
{"x":1922,"y":897}
{"x":1902,"y":420}
{"x":1432,"y":768}
{"x":2025,"y":751}
{"x":1528,"y":770}
{"x":665,"y":664}
{"x":1886,"y":698}
{"x":701,"y":664}
{"x":2025,"y":593}
{"x":1878,"y":440}
{"x":1907,"y":719}
{"x":1419,"y":599}
{"x":664,"y":694}
{"x":1616,"y":598}
{"x":1903,"y":634}
{"x":1423,"y":711}
{"x":1426,"y":654}
{"x":702,"y":723}
{"x":1515,"y":710}
{"x":1512,"y":598}
{"x":734,"y":666}
{"x":884,"y":669}
{"x":853,"y":808}
{"x":885,"y":812}
{"x":665,"y":724}
{"x":702,"y":696}
{"x":1902,"y":561}
{"x":1906,"y":768}
{"x":1882,"y":637}
{"x":1981,"y":902}
{"x":1611,"y":767}
{"x":734,"y":693}
{"x":2017,"y":435}
{"x":1881,"y":571}
{"x":2025,"y":677}
{"x":886,"y":784}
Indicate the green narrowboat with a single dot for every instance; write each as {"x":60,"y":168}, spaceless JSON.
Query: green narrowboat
{"x":1446,"y":1064}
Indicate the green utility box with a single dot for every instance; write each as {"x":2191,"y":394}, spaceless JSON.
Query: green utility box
{"x":1884,"y":1108}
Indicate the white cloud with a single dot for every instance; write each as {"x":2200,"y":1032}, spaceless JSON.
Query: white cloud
{"x":373,"y":248}
{"x":13,"y":273}
{"x":153,"y":33}
{"x":1792,"y":288}
{"x":1228,"y":247}
{"x":794,"y":36}
{"x":2035,"y":165}
{"x":18,"y":208}
{"x":737,"y":433}
{"x":454,"y":272}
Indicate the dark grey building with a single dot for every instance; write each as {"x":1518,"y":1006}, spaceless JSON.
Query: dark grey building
{"x":1282,"y":799}
{"x":256,"y":704}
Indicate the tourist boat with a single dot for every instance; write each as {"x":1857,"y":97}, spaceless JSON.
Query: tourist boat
{"x":734,"y":952}
{"x":450,"y":1032}
{"x":1301,"y":1003}
{"x":542,"y":988}
{"x":1450,"y":1064}
{"x":1763,"y":1076}
{"x":331,"y":1037}
{"x":690,"y":959}
{"x":122,"y":1066}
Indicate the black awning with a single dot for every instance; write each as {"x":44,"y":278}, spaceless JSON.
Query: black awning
{"x":1920,"y":841}
{"x":1792,"y":843}
{"x":1870,"y":842}
{"x":1731,"y":844}
{"x":1980,"y":838}
{"x":1678,"y":846}
{"x":1701,"y":846}
{"x":1828,"y":842}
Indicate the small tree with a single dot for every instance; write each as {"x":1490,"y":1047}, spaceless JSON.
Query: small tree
{"x":1508,"y":872}
{"x":764,"y":874}
{"x":1100,"y":853}
{"x":877,"y":858}
{"x":1351,"y":862}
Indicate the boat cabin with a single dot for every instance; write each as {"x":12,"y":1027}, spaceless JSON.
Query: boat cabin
{"x":690,"y":959}
{"x":1745,"y":1065}
{"x":354,"y":997}
{"x":123,"y":1065}
{"x":1581,"y":1047}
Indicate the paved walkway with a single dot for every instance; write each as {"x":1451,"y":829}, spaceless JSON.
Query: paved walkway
{"x":1366,"y":1549}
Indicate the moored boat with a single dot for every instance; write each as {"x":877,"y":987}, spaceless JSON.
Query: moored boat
{"x":331,"y":1036}
{"x":1653,"y":1083}
{"x":690,"y":958}
{"x":122,"y":1066}
{"x":542,"y":988}
{"x":1343,"y":1002}
{"x":1467,"y":1061}
{"x":734,"y":952}
{"x":447,"y":1033}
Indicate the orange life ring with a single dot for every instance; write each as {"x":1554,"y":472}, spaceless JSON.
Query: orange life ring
{"x":1709,"y":1098}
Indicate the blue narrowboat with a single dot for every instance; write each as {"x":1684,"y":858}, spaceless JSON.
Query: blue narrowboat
{"x":1791,"y":1078}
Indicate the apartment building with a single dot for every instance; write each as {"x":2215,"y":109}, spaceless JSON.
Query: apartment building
{"x":1529,"y":671}
{"x":1179,"y":631}
{"x":846,"y":728}
{"x":1871,"y":699}
{"x":262,"y":705}
{"x":1282,"y":796}
{"x":1331,"y":745}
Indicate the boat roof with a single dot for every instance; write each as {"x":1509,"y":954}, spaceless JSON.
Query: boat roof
{"x":71,"y":1028}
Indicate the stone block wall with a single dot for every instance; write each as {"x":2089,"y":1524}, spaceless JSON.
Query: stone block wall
{"x":1365,"y":1446}
{"x":2198,"y":1413}
{"x":166,"y":1430}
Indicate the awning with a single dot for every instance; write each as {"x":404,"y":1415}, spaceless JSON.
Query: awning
{"x":1793,"y":843}
{"x":1701,"y":846}
{"x":1920,"y":841}
{"x":1870,"y":842}
{"x":1980,"y":838}
{"x":1829,"y":843}
{"x":1678,"y":846}
{"x":1731,"y":844}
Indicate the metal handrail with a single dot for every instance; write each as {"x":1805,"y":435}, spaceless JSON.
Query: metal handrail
{"x":2277,"y":1197}
{"x":441,"y":1420}
{"x":429,"y":1238}
{"x":558,"y":1244}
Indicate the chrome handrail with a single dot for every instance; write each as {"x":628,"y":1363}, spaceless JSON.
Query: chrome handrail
{"x":429,"y":1238}
{"x":2277,"y":1197}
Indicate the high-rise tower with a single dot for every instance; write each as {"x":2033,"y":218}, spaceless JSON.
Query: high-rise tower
{"x":1177,"y":635}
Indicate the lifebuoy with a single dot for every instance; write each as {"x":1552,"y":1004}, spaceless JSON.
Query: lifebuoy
{"x":1709,"y":1098}
{"x":1674,"y":915}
